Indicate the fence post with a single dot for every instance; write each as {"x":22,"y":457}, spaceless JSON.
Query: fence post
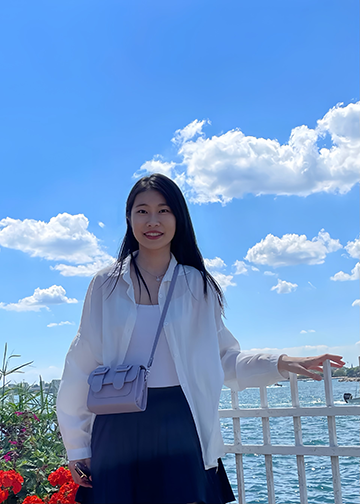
{"x":267,"y":441}
{"x":332,"y":433}
{"x":238,"y":456}
{"x":298,"y":439}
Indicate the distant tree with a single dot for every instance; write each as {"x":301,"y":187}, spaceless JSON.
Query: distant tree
{"x":353,"y":372}
{"x":339,"y":372}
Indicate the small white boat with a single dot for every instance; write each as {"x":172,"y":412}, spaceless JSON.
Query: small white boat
{"x":349,"y":399}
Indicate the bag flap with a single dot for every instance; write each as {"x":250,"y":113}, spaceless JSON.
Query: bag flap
{"x":96,"y":378}
{"x":132,"y":373}
{"x":125,"y":374}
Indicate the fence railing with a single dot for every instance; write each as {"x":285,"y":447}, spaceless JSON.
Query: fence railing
{"x":298,"y":449}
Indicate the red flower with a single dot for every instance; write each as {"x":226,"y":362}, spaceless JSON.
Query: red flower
{"x":66,"y":494}
{"x":12,"y":479}
{"x":60,"y":476}
{"x":4,"y":494}
{"x":32,"y":499}
{"x":54,"y":498}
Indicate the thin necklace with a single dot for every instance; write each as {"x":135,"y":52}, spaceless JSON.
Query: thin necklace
{"x":158,"y":277}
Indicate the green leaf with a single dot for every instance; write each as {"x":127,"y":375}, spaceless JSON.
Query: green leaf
{"x":15,"y":370}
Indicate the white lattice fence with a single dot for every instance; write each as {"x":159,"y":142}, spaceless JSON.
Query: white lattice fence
{"x":299,"y":449}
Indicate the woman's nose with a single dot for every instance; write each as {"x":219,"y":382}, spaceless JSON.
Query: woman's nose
{"x":153,"y":220}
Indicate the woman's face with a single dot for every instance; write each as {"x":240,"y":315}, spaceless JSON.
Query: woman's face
{"x":152,"y":221}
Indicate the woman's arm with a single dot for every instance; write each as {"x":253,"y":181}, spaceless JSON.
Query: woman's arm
{"x":243,"y":369}
{"x":84,"y":355}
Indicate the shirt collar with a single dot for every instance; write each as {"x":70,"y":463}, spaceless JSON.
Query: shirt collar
{"x":168,"y":274}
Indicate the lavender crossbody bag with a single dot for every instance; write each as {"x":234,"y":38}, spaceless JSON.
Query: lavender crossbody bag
{"x":123,"y":388}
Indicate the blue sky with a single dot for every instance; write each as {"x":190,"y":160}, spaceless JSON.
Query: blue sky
{"x":252,"y":107}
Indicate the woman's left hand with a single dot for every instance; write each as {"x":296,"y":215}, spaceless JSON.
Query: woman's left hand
{"x":303,"y":365}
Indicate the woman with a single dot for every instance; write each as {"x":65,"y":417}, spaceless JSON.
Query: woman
{"x":170,"y":453}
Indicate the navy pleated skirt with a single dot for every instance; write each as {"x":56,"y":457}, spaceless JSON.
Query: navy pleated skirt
{"x":152,"y":457}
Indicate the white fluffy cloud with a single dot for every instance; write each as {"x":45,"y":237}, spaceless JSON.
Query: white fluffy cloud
{"x":213,"y":265}
{"x":292,"y":249}
{"x":65,"y":322}
{"x":283,"y":287}
{"x":343,"y":277}
{"x":241,"y":268}
{"x":41,"y":298}
{"x":353,"y":248}
{"x":64,"y":238}
{"x":82,"y":270}
{"x":308,"y":331}
{"x":230,"y":165}
{"x":356,"y":302}
{"x":225,"y":281}
{"x":190,"y":131}
{"x":156,"y":165}
{"x":101,"y":224}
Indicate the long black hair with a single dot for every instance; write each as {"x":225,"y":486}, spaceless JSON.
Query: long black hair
{"x":183,"y":245}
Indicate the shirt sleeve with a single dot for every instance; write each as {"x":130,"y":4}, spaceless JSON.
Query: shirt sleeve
{"x":84,"y":355}
{"x":243,"y":369}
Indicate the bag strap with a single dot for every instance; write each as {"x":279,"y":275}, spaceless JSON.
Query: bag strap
{"x":163,"y":315}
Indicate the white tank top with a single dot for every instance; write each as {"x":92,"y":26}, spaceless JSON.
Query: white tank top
{"x":162,"y":372}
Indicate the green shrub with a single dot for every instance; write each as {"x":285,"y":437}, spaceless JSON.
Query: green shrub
{"x":30,"y":439}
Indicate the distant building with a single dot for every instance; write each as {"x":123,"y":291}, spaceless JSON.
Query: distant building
{"x":54,"y":386}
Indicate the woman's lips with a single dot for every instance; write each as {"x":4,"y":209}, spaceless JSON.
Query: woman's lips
{"x":153,"y":235}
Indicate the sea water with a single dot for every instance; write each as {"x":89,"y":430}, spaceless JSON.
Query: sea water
{"x":314,"y":431}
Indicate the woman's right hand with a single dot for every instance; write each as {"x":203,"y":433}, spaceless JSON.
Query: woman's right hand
{"x":76,"y":477}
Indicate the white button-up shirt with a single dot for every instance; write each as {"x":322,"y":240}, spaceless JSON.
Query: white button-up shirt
{"x":205,"y":353}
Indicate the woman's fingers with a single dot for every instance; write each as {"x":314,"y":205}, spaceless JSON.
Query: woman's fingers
{"x":311,"y":374}
{"x":301,"y":370}
{"x":318,"y":361}
{"x":316,"y":368}
{"x":85,"y":482}
{"x":335,"y":360}
{"x":80,"y":481}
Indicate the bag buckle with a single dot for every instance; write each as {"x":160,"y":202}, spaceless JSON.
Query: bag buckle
{"x":100,"y":370}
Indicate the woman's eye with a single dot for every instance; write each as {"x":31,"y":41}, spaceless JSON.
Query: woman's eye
{"x":164,"y":210}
